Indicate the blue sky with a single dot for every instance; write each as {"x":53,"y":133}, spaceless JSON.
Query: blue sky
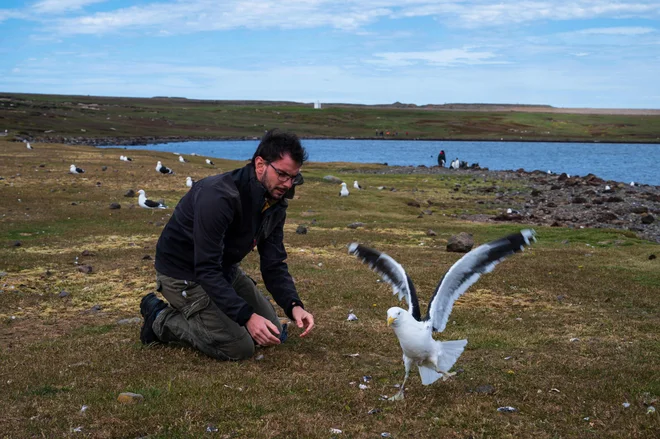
{"x":574,"y":53}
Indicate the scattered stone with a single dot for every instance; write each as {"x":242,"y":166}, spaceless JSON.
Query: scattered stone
{"x":578,"y":200}
{"x":74,"y":203}
{"x":17,"y":244}
{"x":104,"y":168}
{"x":648,"y":219}
{"x":427,"y":212}
{"x":114,"y":206}
{"x":639,"y":209}
{"x":130,"y":398}
{"x":301,"y":230}
{"x":614,"y":200}
{"x":355,"y":225}
{"x":86,"y":269}
{"x":130,"y":193}
{"x":461,"y":243}
{"x":63,"y":294}
{"x":96,"y":308}
{"x":130,"y":321}
{"x":332,"y":179}
{"x":88,"y":253}
{"x":430,"y":232}
{"x":147,"y":258}
{"x":414,"y":204}
{"x":486,"y":389}
{"x":651,"y":257}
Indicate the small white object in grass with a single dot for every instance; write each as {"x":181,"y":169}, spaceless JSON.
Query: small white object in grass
{"x":351,"y":355}
{"x":320,"y":264}
{"x":574,"y":339}
{"x":586,"y":418}
{"x":363,"y":387}
{"x":626,"y":405}
{"x":335,"y":431}
{"x":508,"y":358}
{"x":211,"y":429}
{"x":554,"y":389}
{"x":184,"y":294}
{"x":351,"y":317}
{"x":507,"y":409}
{"x":385,"y":434}
{"x":83,"y":409}
{"x":77,"y":429}
{"x":650,"y":410}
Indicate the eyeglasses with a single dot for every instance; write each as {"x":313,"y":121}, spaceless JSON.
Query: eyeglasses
{"x":284,"y":177}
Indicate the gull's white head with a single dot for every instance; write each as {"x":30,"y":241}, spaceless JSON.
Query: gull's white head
{"x":343,"y":184}
{"x":141,"y":192}
{"x":395,"y":315}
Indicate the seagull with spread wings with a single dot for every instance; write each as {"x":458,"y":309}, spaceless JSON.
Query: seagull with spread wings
{"x":435,"y":358}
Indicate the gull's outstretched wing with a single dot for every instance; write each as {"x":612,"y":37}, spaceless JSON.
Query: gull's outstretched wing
{"x":392,"y":272}
{"x":467,"y":271}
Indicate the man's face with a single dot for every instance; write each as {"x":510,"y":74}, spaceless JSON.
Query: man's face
{"x":276,"y":176}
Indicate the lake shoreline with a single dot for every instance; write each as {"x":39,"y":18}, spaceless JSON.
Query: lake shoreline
{"x":141,"y":140}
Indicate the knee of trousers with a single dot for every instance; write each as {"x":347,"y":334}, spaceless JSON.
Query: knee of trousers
{"x":241,"y":349}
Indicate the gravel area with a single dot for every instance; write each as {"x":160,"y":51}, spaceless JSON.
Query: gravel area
{"x":557,"y":200}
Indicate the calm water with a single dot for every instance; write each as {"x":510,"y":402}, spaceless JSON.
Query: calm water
{"x":620,"y":162}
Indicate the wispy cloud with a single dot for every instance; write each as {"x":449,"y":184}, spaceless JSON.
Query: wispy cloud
{"x":447,"y":57}
{"x":616,"y":31}
{"x":60,"y":6}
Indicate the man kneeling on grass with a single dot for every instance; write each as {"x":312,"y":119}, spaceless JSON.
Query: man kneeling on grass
{"x":213,"y":305}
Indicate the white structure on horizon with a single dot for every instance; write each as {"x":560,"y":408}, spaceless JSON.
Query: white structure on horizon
{"x":317,"y":105}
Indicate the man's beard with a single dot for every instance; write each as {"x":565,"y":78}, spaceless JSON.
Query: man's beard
{"x":270,"y":191}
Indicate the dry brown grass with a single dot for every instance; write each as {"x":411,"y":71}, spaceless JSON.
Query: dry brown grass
{"x":58,"y":355}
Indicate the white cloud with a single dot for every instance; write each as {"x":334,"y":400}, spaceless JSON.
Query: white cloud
{"x":616,"y":31}
{"x":60,"y":6}
{"x":447,"y":57}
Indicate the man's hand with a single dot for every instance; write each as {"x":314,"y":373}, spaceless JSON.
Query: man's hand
{"x":262,"y":330}
{"x":303,"y":318}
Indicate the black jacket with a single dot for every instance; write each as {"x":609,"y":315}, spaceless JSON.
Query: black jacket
{"x":214,"y":226}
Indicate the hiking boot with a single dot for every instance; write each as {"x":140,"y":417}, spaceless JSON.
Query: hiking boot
{"x":150,"y":306}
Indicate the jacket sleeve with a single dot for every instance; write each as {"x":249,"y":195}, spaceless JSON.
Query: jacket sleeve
{"x":214,"y":211}
{"x":275,"y":271}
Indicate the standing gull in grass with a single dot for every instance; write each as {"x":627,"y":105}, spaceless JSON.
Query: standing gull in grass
{"x":344,"y":191}
{"x":356,"y":185}
{"x":124,"y":158}
{"x":163,"y":169}
{"x":209,"y":162}
{"x":149,"y":204}
{"x":182,"y":160}
{"x":189,"y":181}
{"x":75,"y":170}
{"x":28,"y":146}
{"x":435,"y":358}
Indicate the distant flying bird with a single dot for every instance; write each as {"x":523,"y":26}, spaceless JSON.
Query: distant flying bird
{"x":357,"y":186}
{"x":435,"y":358}
{"x":344,"y":191}
{"x":163,"y":169}
{"x":209,"y":162}
{"x":182,"y":160}
{"x":189,"y":181}
{"x":149,"y":204}
{"x":74,"y":170}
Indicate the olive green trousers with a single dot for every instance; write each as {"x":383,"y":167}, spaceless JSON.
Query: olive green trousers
{"x":193,"y":319}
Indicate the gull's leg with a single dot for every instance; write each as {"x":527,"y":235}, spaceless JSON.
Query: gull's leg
{"x":408,"y":362}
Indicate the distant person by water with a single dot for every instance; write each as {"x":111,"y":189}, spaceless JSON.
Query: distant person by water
{"x":442,"y":159}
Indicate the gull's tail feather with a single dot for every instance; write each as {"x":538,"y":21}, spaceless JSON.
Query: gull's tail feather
{"x":449,"y":353}
{"x":428,"y":375}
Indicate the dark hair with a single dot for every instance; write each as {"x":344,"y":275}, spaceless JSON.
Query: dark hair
{"x":275,"y":144}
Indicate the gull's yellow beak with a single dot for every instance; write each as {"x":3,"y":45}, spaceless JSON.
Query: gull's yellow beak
{"x":390,"y":320}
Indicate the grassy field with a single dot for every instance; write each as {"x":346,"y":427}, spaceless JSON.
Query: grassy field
{"x":565,"y":332}
{"x":60,"y":117}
